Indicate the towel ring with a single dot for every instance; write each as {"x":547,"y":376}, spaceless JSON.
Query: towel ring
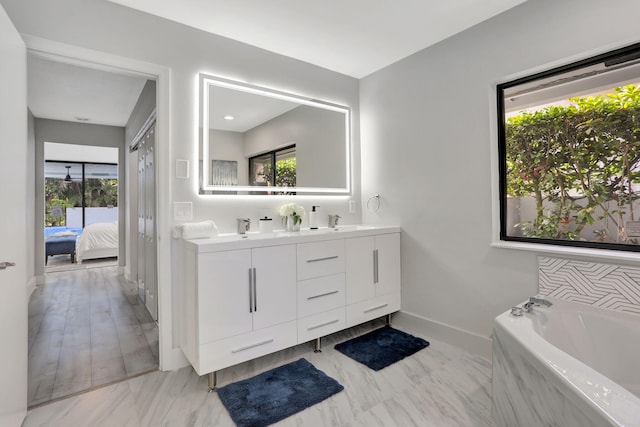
{"x":376,"y":203}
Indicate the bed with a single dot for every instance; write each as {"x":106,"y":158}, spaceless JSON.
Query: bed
{"x":98,"y":240}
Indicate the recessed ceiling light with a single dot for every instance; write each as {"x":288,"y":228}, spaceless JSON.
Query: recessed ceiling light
{"x":229,"y":117}
{"x":82,"y":119}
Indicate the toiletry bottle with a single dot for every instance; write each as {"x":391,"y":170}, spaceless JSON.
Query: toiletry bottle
{"x":313,"y":220}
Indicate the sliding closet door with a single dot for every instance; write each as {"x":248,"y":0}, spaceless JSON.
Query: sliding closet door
{"x":151,"y":286}
{"x":142,"y":205}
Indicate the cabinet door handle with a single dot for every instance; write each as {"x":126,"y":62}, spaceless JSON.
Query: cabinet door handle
{"x":331,"y":322}
{"x":255,"y":291}
{"x":247,"y":347}
{"x":375,"y":266}
{"x":375,"y":308}
{"x":323,"y":295}
{"x":323,"y":259}
{"x":250,"y":292}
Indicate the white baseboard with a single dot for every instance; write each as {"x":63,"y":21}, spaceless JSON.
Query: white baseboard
{"x":31,"y":285}
{"x":40,"y":280}
{"x":177,"y":360}
{"x":466,"y":340}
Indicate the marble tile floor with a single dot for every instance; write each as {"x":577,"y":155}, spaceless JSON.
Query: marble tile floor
{"x":438,"y":386}
{"x":87,"y":328}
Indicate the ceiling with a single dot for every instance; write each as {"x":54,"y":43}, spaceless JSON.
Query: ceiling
{"x":355,"y":37}
{"x":247,"y":109}
{"x":60,"y":91}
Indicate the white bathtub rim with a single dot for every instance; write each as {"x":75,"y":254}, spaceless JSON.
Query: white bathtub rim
{"x":598,"y":392}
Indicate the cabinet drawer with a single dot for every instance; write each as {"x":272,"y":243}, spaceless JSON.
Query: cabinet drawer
{"x":322,"y":324}
{"x":372,"y":309}
{"x":319,"y":259}
{"x":230,"y":351}
{"x":321,"y":294}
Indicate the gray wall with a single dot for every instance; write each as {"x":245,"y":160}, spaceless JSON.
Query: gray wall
{"x":227,"y":145}
{"x":428,"y":127}
{"x":319,"y":138}
{"x":141,"y":111}
{"x":80,"y":134}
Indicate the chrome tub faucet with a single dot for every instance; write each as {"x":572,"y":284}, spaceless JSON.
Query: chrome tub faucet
{"x":528,"y":306}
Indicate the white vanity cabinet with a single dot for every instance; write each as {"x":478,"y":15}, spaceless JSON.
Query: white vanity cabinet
{"x":241,"y":304}
{"x":241,"y":298}
{"x":373,"y":277}
{"x":321,"y":289}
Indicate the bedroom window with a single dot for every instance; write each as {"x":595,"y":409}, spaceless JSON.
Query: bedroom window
{"x":79,"y":193}
{"x":569,"y":146}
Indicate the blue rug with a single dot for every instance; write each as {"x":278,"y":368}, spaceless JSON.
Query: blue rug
{"x":276,"y":394}
{"x":382,"y":347}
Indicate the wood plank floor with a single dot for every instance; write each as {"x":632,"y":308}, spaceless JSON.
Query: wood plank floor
{"x":87,"y":328}
{"x":438,"y":386}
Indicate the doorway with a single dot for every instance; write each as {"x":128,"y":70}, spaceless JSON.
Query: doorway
{"x":88,"y":327}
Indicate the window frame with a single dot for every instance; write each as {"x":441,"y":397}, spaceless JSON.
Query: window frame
{"x":616,"y":54}
{"x":273,"y":154}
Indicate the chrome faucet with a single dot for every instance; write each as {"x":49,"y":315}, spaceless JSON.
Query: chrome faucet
{"x":528,"y":306}
{"x":535,"y":301}
{"x":243,"y":225}
{"x":333,"y":220}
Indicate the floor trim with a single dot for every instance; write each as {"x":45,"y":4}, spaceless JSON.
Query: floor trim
{"x":466,"y":340}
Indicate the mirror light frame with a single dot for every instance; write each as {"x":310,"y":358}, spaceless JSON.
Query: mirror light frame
{"x":207,"y":80}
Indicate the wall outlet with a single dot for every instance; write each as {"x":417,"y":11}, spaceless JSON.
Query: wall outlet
{"x":352,"y":206}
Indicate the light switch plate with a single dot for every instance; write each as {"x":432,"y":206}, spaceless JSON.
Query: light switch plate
{"x":182,"y":168}
{"x":182,"y":211}
{"x":352,"y":206}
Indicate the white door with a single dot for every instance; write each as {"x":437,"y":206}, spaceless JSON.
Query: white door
{"x":275,"y":298}
{"x":13,"y":231}
{"x":150,"y":284}
{"x":225,"y":305}
{"x":388,"y":247}
{"x":360,"y":274}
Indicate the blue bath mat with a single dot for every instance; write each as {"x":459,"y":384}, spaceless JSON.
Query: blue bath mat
{"x":276,"y":394}
{"x":382,"y":347}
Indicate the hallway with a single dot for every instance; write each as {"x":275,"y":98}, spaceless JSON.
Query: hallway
{"x":87,"y":328}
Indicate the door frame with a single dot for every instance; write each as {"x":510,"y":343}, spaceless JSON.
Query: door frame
{"x":170,"y":358}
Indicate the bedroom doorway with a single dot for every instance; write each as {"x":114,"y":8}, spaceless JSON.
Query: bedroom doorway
{"x":81,"y":207}
{"x":87,"y":325}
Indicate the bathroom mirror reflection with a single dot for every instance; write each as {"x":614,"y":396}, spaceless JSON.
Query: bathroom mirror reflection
{"x":261,"y":141}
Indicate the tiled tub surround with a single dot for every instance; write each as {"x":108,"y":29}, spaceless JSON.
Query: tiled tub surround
{"x":615,"y":287}
{"x":567,"y":365}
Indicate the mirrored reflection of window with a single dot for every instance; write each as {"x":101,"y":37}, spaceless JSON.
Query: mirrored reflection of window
{"x":274,"y":168}
{"x":570,"y":154}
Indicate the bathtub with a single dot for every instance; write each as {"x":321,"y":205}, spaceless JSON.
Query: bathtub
{"x":567,"y":365}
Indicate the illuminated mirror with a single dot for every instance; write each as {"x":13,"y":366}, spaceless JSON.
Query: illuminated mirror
{"x":262,"y":141}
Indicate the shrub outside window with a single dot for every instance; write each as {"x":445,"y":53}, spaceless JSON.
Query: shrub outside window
{"x":569,"y":146}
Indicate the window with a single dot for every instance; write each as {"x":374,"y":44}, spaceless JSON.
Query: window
{"x":569,"y":146}
{"x":263,"y":173}
{"x":79,"y":193}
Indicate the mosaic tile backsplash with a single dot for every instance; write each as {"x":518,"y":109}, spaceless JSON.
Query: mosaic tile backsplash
{"x":610,"y":286}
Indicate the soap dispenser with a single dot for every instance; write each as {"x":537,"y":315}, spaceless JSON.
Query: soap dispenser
{"x":313,"y":220}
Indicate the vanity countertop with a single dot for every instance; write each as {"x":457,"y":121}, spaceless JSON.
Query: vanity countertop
{"x":230,"y":241}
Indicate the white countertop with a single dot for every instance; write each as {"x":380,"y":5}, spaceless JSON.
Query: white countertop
{"x":229,"y":241}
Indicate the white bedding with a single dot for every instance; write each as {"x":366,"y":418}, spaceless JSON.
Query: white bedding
{"x":98,"y":240}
